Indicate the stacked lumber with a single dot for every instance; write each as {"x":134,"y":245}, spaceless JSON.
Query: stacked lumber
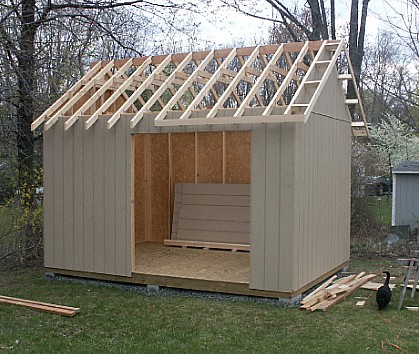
{"x":334,"y":290}
{"x":43,"y":306}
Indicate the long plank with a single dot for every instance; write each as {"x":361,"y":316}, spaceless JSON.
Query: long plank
{"x":76,"y":309}
{"x":39,"y":306}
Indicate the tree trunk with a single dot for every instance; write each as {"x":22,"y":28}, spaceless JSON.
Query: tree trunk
{"x":332,"y":19}
{"x":356,"y":45}
{"x":25,"y":109}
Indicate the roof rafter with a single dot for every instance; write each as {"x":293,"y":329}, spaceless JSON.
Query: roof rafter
{"x":273,"y":83}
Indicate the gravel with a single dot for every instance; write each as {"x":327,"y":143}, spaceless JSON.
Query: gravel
{"x":154,"y":291}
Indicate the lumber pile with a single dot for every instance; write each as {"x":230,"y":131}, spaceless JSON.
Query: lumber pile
{"x":43,"y":306}
{"x":334,"y":290}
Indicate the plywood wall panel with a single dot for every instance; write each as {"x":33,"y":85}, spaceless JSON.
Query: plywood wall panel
{"x":237,"y":157}
{"x":160,"y":188}
{"x":183,"y":157}
{"x":139,"y":187}
{"x":210,"y":157}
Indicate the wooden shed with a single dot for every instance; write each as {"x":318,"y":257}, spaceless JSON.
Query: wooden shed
{"x":405,"y":202}
{"x":239,"y":157}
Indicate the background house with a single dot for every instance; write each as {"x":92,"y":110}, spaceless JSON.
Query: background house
{"x":405,"y":208}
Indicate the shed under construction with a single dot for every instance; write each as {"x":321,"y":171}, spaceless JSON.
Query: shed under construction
{"x":224,"y":170}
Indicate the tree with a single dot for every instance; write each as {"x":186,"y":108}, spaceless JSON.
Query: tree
{"x":390,"y":81}
{"x":319,"y":27}
{"x":393,"y":141}
{"x":31,"y":33}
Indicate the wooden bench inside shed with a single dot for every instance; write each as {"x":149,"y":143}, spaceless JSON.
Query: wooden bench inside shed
{"x":211,"y":216}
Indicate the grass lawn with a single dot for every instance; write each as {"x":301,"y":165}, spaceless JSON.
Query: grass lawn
{"x":379,"y":208}
{"x":117,"y":320}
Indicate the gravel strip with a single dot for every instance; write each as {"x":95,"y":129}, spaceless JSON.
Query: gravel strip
{"x":166,"y":292}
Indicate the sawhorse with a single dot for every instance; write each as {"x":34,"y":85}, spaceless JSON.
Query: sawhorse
{"x":411,"y":264}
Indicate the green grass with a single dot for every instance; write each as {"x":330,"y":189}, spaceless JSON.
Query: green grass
{"x":379,"y":209}
{"x":115,"y":320}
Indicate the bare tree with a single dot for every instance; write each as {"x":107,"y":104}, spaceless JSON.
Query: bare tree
{"x":318,"y":26}
{"x":390,"y":81}
{"x":31,"y":32}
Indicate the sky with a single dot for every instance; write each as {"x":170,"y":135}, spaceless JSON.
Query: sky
{"x":228,"y":28}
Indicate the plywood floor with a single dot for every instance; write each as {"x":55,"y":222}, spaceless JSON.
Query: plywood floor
{"x":213,"y":265}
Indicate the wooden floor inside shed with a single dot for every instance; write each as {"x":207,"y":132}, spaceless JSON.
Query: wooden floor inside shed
{"x":192,"y":264}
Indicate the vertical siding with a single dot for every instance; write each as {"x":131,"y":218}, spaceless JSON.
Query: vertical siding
{"x":257,"y":207}
{"x":49,"y":226}
{"x":272,"y":207}
{"x":58,"y":187}
{"x":87,"y":198}
{"x":406,"y":200}
{"x":78,"y":190}
{"x":88,"y":205}
{"x":300,"y":196}
{"x":322,"y":188}
{"x":68,"y":168}
{"x":99,"y":195}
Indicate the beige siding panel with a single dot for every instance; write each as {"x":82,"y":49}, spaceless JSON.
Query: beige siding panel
{"x":78,"y":190}
{"x":323,"y":189}
{"x":68,"y":180}
{"x":257,"y":208}
{"x":222,"y":213}
{"x":88,"y":204}
{"x":99,"y":195}
{"x":202,"y":199}
{"x":273,"y":206}
{"x":59,"y":195}
{"x":286,"y":208}
{"x":212,"y":213}
{"x":84,"y":216}
{"x":122,"y":199}
{"x":109,"y":174}
{"x":215,"y":225}
{"x":49,"y":209}
{"x":221,"y":189}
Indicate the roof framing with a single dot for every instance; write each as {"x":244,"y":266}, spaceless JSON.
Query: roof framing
{"x":273,"y":83}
